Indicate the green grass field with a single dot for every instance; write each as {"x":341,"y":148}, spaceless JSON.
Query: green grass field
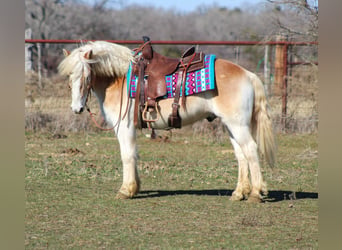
{"x":72,"y":179}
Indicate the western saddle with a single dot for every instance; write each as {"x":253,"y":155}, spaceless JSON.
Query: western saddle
{"x":151,"y":69}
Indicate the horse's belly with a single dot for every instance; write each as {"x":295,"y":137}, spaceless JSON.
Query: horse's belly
{"x":197,"y":108}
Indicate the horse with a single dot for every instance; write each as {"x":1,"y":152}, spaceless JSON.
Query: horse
{"x":239,"y":100}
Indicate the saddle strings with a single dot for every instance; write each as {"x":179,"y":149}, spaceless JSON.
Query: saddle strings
{"x":184,"y":78}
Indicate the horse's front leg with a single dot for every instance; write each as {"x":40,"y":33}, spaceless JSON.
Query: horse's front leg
{"x":131,"y":183}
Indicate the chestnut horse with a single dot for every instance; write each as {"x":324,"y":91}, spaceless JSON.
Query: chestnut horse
{"x":239,"y":100}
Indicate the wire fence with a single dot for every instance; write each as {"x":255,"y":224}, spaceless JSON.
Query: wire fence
{"x":47,"y":96}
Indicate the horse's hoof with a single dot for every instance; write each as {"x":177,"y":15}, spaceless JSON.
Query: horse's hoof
{"x":122,"y":196}
{"x":254,"y":199}
{"x":236,"y":197}
{"x":129,"y":190}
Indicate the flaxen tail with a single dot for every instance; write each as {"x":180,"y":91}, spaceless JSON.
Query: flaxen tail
{"x":262,"y":128}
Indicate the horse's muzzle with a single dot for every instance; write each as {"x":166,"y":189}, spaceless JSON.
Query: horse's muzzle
{"x":79,"y":111}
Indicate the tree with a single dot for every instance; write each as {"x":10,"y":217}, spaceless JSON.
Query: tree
{"x":300,"y":18}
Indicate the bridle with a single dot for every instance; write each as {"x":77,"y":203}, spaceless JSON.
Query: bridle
{"x":90,"y":87}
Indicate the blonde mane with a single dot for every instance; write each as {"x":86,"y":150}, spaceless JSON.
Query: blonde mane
{"x":107,"y":59}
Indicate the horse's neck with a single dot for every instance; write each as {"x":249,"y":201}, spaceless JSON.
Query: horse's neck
{"x":100,"y":86}
{"x":108,"y":90}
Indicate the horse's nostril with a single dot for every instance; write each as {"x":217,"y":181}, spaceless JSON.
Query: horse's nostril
{"x":78,"y":111}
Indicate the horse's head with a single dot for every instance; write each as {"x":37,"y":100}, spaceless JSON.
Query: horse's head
{"x":78,"y":69}
{"x":100,"y":59}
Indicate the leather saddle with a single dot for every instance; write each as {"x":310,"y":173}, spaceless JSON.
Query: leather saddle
{"x":151,"y":69}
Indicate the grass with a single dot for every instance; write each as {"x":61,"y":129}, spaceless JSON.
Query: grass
{"x":72,"y":178}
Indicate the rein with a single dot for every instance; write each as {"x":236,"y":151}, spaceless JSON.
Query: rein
{"x":139,"y":49}
{"x":95,"y":122}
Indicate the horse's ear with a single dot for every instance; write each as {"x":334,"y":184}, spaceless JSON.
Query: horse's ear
{"x":66,"y":52}
{"x":88,"y":54}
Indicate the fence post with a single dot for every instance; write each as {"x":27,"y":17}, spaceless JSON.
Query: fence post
{"x":278,"y":66}
{"x":267,"y":71}
{"x":39,"y":61}
{"x":284,"y":89}
{"x":237,"y":54}
{"x":280,"y":78}
{"x":28,"y":53}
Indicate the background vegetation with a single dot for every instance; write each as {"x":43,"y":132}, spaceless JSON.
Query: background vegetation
{"x":73,"y":19}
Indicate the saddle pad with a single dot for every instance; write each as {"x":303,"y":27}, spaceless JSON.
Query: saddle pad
{"x":196,"y":81}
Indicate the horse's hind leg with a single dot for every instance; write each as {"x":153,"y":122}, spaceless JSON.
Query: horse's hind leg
{"x":243,"y":187}
{"x":242,"y":137}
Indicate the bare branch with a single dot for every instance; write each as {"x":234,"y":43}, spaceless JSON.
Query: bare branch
{"x":306,"y":11}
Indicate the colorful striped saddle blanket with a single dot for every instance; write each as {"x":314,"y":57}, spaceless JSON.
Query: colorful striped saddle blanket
{"x":196,"y":81}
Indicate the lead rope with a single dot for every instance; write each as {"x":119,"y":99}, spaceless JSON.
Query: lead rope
{"x":96,"y":124}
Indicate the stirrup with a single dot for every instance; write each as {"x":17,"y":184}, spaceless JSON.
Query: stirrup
{"x":145,"y":111}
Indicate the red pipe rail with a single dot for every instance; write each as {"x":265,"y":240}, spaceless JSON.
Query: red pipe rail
{"x":160,"y":42}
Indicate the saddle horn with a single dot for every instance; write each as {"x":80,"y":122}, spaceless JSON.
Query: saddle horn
{"x":147,"y":50}
{"x":146,"y":39}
